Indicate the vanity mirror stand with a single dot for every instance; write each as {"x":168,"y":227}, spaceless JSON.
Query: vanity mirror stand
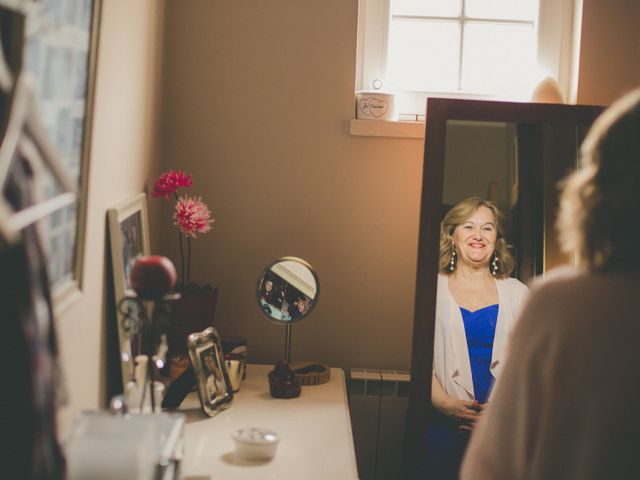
{"x":287,"y":291}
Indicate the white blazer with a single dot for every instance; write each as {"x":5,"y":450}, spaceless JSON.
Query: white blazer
{"x":451,"y":364}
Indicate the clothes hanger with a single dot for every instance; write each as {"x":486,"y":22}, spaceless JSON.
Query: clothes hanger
{"x":24,"y":118}
{"x":6,"y":77}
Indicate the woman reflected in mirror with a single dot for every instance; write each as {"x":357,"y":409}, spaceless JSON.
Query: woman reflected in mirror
{"x":267,"y":292}
{"x":476,"y":308}
{"x":565,"y":404}
{"x":298,"y":307}
{"x":271,"y":293}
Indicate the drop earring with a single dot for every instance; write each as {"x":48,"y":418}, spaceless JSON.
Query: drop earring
{"x":494,"y":264}
{"x":452,"y":263}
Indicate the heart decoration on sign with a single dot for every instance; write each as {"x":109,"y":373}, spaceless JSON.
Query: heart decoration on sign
{"x":373,"y":107}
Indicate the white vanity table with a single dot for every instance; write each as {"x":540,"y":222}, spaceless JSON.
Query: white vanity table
{"x":315,"y":432}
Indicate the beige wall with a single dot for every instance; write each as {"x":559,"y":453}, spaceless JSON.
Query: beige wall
{"x":121,"y":156}
{"x":256,"y":103}
{"x":609,"y":65}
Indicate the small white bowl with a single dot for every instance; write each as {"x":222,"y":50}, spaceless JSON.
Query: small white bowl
{"x":256,"y":443}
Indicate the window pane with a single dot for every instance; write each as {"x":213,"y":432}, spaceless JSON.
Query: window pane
{"x":437,"y":8}
{"x":423,"y":55}
{"x":498,"y":58}
{"x":502,"y":9}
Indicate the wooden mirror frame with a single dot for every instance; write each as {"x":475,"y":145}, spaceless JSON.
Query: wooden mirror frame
{"x":439,"y":112}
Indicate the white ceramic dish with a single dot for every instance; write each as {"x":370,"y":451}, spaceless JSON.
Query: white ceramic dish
{"x":256,"y":443}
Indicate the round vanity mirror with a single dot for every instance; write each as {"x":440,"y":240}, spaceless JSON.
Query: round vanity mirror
{"x":287,"y":290}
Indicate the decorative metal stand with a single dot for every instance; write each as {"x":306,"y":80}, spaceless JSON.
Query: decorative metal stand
{"x":149,"y":333}
{"x":287,"y":343}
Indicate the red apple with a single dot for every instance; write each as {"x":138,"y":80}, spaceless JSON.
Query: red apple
{"x":153,"y":276}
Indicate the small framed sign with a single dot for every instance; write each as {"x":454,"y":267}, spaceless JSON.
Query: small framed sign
{"x":212,"y":377}
{"x":129,"y":238}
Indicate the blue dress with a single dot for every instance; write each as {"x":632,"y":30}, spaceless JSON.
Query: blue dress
{"x":480,"y":328}
{"x":447,"y":444}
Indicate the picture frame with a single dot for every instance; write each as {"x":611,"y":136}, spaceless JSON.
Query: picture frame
{"x":212,"y":377}
{"x":129,"y":239}
{"x":60,"y":57}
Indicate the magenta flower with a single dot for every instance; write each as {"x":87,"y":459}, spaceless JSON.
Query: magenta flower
{"x":192,"y":216}
{"x":169,"y":182}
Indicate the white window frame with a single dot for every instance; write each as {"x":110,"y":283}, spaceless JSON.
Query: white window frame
{"x":557,"y":38}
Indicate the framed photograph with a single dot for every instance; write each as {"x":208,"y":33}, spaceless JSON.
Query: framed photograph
{"x":212,"y":377}
{"x":129,"y":239}
{"x":59,"y":56}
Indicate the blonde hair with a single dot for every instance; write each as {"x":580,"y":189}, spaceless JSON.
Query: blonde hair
{"x":600,"y":203}
{"x":460,"y":214}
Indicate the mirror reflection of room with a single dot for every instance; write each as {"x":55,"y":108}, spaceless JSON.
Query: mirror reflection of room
{"x":287,"y":290}
{"x":474,"y":311}
{"x":499,"y":183}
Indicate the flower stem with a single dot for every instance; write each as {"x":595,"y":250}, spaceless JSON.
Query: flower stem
{"x":188,"y":259}
{"x":182,"y":270}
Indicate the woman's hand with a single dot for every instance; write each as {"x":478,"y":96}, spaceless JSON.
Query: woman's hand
{"x":467,"y":412}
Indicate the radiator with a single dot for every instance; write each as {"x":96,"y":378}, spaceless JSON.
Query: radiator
{"x":378,"y":401}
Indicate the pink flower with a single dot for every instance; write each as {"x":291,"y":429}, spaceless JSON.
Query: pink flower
{"x":169,"y":182}
{"x":192,"y":216}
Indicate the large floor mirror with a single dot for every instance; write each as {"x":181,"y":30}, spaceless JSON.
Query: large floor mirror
{"x":513,"y":154}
